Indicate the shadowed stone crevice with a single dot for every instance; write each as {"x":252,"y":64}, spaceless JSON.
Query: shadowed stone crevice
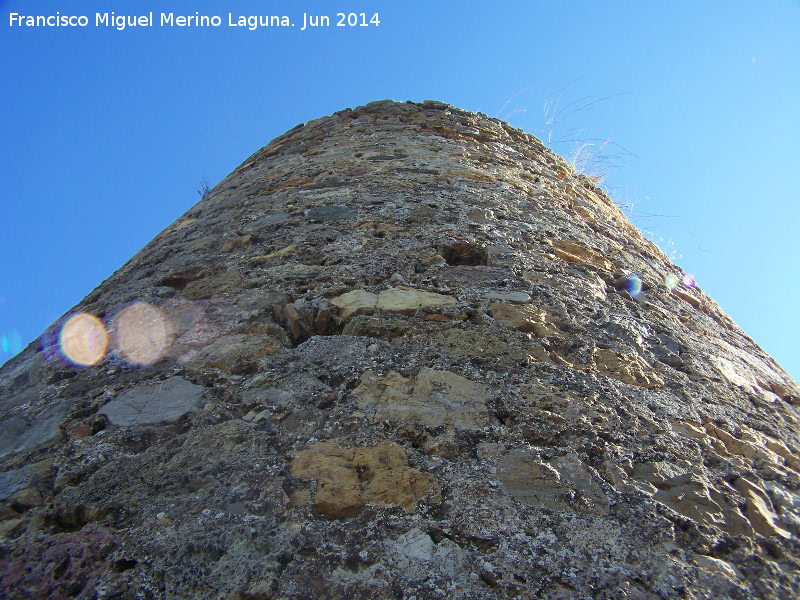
{"x":464,"y":253}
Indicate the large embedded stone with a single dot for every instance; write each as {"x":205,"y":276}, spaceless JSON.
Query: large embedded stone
{"x":154,"y":403}
{"x":406,"y":301}
{"x":576,"y":253}
{"x":332,"y":212}
{"x":527,"y":318}
{"x":547,"y":483}
{"x":235,"y":353}
{"x":760,"y":512}
{"x":403,"y":300}
{"x":17,"y":435}
{"x":347,"y":479}
{"x":432,"y":398}
{"x":354,"y":303}
{"x":514,"y":297}
{"x":238,"y":242}
{"x":466,"y":343}
{"x":627,"y":368}
{"x":293,"y":270}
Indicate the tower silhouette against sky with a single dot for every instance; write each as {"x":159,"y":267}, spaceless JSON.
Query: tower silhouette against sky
{"x":401,"y":351}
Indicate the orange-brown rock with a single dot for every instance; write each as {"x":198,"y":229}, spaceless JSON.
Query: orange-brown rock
{"x":349,"y":478}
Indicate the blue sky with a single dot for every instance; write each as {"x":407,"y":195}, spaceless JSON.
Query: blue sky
{"x":106,"y":133}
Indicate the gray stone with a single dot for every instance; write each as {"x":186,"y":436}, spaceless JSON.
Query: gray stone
{"x":332,"y":212}
{"x":416,"y":544}
{"x":10,"y":432}
{"x":28,"y":395}
{"x":265,"y":223}
{"x":14,"y":480}
{"x":20,"y":436}
{"x":515,"y":297}
{"x":153,"y":403}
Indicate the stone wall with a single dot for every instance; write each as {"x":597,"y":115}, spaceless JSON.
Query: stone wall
{"x":404,"y":351}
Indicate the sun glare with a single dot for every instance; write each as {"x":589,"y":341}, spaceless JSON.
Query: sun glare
{"x":141,"y":334}
{"x":83,"y":339}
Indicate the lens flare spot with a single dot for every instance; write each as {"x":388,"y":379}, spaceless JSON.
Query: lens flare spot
{"x":688,"y":280}
{"x":4,"y":343}
{"x":141,"y":334}
{"x":633,"y":285}
{"x":671,"y":281}
{"x":83,"y":339}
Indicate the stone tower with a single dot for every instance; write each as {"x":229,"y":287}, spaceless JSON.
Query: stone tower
{"x":401,"y":352}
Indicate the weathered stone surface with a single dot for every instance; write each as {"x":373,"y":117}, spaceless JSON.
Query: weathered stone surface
{"x":574,"y":252}
{"x":20,"y":436}
{"x":528,"y":318}
{"x":59,"y":566}
{"x":432,"y":397}
{"x":759,"y":509}
{"x":355,"y":303}
{"x":417,"y":369}
{"x":11,"y":481}
{"x":684,"y":492}
{"x":238,"y":242}
{"x":550,"y":484}
{"x":626,"y":368}
{"x":470,"y":344}
{"x":720,"y":566}
{"x":152,"y":403}
{"x":234,"y":353}
{"x":25,"y":498}
{"x":401,"y":300}
{"x":210,"y":286}
{"x":349,"y":478}
{"x":416,"y":544}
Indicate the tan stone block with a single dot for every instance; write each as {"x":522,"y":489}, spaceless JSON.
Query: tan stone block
{"x":683,"y":491}
{"x":432,"y":398}
{"x":710,"y":563}
{"x":749,"y":449}
{"x":540,"y":354}
{"x":574,"y":252}
{"x":689,"y":430}
{"x":626,"y":368}
{"x":407,"y":301}
{"x":354,"y":303}
{"x":349,"y":478}
{"x":759,"y":509}
{"x":692,"y":500}
{"x":527,"y":318}
{"x":688,"y":298}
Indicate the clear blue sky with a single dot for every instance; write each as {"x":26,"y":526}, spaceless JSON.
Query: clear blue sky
{"x":106,"y":132}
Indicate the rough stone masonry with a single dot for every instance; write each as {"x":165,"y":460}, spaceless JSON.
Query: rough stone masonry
{"x":402,"y":352}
